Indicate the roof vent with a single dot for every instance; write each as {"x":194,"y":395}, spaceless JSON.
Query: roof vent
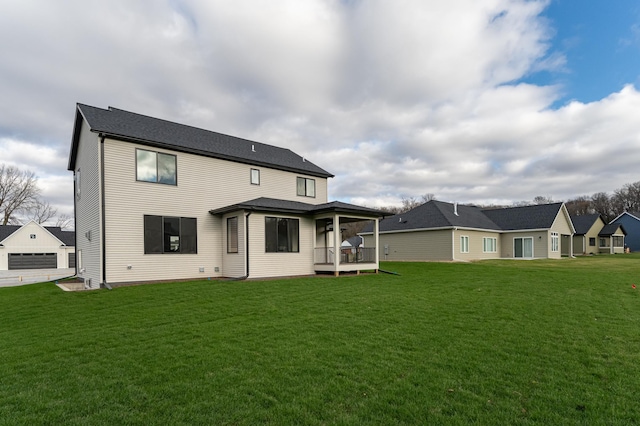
{"x":455,"y":209}
{"x":253,"y":148}
{"x":400,"y":219}
{"x":304,"y":160}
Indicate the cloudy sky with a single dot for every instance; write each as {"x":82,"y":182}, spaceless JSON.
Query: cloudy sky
{"x":492,"y":101}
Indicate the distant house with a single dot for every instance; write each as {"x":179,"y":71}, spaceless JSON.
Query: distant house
{"x":631,"y":223}
{"x":611,"y":238}
{"x":594,"y":236}
{"x":443,"y":231}
{"x":353,"y":243}
{"x":158,"y":200}
{"x":33,"y":246}
{"x":585,"y":240}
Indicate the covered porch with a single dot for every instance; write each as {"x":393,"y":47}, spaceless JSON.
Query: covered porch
{"x":329,"y":256}
{"x":611,"y":239}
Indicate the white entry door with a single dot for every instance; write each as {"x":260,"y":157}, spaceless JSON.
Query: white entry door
{"x":523,"y":247}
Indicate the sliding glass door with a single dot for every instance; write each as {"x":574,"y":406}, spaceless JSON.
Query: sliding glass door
{"x":523,"y":247}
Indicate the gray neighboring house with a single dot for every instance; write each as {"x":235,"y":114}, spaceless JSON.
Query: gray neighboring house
{"x":444,"y":231}
{"x":34,"y":246}
{"x":157,"y":200}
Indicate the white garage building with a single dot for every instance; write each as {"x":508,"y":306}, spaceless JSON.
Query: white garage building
{"x":33,"y":246}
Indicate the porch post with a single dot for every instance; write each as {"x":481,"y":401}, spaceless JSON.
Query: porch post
{"x":336,"y":244}
{"x":376,"y":233}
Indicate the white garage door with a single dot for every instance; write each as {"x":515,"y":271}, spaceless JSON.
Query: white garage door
{"x":33,"y":261}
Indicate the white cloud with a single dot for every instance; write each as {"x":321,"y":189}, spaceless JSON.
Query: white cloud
{"x":395,"y":98}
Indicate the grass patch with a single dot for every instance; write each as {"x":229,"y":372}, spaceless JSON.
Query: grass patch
{"x":493,"y":342}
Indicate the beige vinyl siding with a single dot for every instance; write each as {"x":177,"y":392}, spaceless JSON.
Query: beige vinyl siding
{"x":475,"y":245}
{"x":541,"y":241}
{"x":234,"y":264}
{"x":89,"y":207}
{"x":203,"y":184}
{"x":582,"y":246}
{"x":263,"y":264}
{"x":413,"y":246}
{"x":561,"y":225}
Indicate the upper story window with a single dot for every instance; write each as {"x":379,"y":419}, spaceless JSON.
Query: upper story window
{"x":255,"y":177}
{"x":156,"y":167}
{"x":306,"y":187}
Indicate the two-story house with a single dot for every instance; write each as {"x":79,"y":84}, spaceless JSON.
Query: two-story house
{"x":157,"y":200}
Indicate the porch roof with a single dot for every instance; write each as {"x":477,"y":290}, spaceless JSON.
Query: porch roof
{"x":611,"y":229}
{"x":296,"y":207}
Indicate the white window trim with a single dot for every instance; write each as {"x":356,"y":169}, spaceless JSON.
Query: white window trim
{"x":493,"y":246}
{"x":464,"y":244}
{"x":555,"y":242}
{"x":257,"y":174}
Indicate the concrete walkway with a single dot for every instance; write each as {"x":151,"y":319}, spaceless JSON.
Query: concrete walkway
{"x":29,"y":276}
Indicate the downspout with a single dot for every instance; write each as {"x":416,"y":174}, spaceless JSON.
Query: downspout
{"x":453,"y":243}
{"x":75,"y":218}
{"x":246,"y":223}
{"x":103,"y":219}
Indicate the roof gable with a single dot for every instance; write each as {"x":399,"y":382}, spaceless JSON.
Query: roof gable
{"x":629,"y":215}
{"x":584,"y":223}
{"x":64,"y":237}
{"x":129,"y":126}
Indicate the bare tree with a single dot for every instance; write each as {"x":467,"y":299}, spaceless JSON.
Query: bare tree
{"x":601,"y":204}
{"x":542,"y":200}
{"x":18,"y":192}
{"x":351,"y":229}
{"x":65,"y":221}
{"x":627,"y":198}
{"x":579,"y":206}
{"x":428,"y":197}
{"x":41,"y":211}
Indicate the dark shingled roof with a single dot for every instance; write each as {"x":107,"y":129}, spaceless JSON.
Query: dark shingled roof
{"x":539,"y":216}
{"x":437,"y":214}
{"x":68,"y":238}
{"x":610,"y":229}
{"x":124,"y":125}
{"x":296,"y":207}
{"x":584,"y":222}
{"x":355,"y":241}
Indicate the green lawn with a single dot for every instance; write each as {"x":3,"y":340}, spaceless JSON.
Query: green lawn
{"x":495,"y":342}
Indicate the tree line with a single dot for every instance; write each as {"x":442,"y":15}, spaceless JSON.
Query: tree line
{"x":21,"y":200}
